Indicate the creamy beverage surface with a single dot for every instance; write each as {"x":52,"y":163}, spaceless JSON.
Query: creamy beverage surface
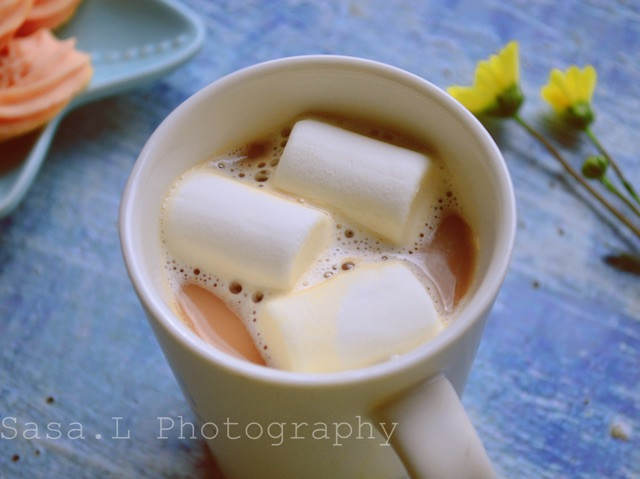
{"x":437,"y":244}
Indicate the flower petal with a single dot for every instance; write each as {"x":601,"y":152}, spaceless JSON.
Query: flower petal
{"x":485,"y":79}
{"x":555,"y":97}
{"x":574,"y":79}
{"x":561,"y":82}
{"x":588,"y":83}
{"x":511,"y":62}
{"x":473,"y":99}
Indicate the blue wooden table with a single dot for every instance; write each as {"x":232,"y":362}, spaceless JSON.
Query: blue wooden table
{"x":555,"y":389}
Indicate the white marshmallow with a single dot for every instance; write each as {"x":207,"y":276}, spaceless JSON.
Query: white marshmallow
{"x":357,"y":318}
{"x":228,"y":228}
{"x":369,"y":181}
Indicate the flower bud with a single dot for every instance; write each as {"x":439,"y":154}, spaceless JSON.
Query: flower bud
{"x":595,"y":167}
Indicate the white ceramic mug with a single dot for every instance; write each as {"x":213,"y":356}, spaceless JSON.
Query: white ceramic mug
{"x":402,"y":417}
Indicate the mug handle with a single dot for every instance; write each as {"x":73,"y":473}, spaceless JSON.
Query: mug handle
{"x":434,"y":437}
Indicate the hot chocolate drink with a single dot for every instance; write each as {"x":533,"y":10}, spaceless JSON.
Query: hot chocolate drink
{"x":328,"y":245}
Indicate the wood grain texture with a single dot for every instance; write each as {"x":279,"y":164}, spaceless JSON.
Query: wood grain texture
{"x":559,"y":365}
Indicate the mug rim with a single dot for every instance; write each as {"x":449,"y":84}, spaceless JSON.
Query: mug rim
{"x":483,"y":298}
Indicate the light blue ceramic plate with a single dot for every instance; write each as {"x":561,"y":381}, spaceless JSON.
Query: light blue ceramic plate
{"x":130,"y":42}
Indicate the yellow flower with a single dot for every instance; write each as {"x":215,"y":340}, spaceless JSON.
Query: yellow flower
{"x":569,"y":93}
{"x":495,"y":89}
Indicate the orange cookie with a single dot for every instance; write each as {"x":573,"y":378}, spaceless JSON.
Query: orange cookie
{"x":48,"y":14}
{"x":39,"y":75}
{"x":12,"y":15}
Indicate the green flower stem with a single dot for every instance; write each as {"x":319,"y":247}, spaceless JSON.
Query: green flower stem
{"x":533,"y":132}
{"x":613,"y":189}
{"x":628,"y":186}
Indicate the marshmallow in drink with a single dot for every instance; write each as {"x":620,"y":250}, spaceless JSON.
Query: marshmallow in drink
{"x":371,"y":182}
{"x":357,"y":318}
{"x":229,"y":228}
